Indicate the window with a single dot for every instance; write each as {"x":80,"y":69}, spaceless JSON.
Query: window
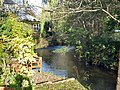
{"x":45,"y":1}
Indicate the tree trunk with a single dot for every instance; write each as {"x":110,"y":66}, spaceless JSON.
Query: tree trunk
{"x":23,"y":2}
{"x":118,"y":78}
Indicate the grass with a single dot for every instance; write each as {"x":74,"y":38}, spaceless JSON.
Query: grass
{"x":70,"y":85}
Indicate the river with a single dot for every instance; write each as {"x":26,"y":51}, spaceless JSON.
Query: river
{"x":68,"y":65}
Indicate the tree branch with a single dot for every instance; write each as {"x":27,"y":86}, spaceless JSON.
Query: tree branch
{"x":78,"y":11}
{"x":111,"y":15}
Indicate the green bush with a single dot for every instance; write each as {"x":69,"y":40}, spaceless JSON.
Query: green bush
{"x":94,"y":49}
{"x":16,"y":43}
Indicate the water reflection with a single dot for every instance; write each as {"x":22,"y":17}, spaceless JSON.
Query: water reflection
{"x":67,"y":66}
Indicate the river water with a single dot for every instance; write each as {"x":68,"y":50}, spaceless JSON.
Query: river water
{"x":68,"y":65}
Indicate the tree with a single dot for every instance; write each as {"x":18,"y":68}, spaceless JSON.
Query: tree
{"x":88,"y":25}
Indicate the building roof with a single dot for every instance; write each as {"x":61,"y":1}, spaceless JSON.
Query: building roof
{"x":9,"y":2}
{"x":27,"y":17}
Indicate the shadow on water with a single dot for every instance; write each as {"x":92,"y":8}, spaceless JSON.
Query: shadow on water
{"x":68,"y":66}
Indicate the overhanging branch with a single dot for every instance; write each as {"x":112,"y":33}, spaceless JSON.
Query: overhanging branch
{"x":111,"y":15}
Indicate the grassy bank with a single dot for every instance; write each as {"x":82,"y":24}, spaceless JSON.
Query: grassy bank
{"x":70,"y":85}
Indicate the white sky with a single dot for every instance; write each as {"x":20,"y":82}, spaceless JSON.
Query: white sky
{"x":31,"y":2}
{"x":35,"y":2}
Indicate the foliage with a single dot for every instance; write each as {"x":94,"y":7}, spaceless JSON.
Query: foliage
{"x":45,"y":17}
{"x":62,"y":50}
{"x":98,"y":50}
{"x":89,"y":26}
{"x":42,"y":23}
{"x":16,"y":45}
{"x":1,"y":3}
{"x":21,"y":82}
{"x":42,"y":43}
{"x":6,"y":77}
{"x":53,"y":3}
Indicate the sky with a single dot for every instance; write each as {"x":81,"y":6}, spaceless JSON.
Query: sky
{"x":32,"y":2}
{"x":35,"y":2}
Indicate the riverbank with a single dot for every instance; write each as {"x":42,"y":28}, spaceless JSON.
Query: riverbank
{"x":43,"y":77}
{"x":49,"y":81}
{"x":70,"y":85}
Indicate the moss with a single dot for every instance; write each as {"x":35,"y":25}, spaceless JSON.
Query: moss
{"x":71,"y":85}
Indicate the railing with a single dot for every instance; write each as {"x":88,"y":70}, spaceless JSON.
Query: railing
{"x":36,"y":64}
{"x":33,"y":65}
